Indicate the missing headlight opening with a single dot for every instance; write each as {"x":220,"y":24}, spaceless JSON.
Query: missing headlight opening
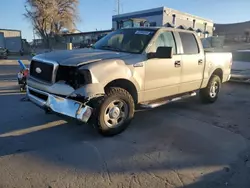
{"x":73,"y":76}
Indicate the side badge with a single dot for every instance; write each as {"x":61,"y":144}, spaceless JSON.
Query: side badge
{"x":140,"y":64}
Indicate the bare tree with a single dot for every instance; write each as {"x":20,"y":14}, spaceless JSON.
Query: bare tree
{"x":49,"y":17}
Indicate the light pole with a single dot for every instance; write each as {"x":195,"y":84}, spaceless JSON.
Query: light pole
{"x":34,"y":36}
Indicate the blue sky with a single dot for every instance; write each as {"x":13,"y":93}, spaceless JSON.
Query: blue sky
{"x":97,"y":14}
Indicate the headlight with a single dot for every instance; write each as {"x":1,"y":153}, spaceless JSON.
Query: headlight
{"x":73,"y":76}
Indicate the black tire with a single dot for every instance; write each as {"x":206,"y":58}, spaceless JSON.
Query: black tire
{"x":206,"y":95}
{"x":113,"y":94}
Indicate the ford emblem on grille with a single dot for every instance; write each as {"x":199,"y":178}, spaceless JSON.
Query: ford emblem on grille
{"x":38,"y":70}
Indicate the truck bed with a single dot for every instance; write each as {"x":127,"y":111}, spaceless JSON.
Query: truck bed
{"x":222,"y":60}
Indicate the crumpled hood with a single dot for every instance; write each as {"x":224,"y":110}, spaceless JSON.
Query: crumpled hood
{"x":80,"y":56}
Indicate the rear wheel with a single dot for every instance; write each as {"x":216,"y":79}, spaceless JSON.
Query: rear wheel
{"x":211,"y":92}
{"x":114,"y":112}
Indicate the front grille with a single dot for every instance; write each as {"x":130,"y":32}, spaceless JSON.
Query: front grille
{"x":38,"y":95}
{"x":46,"y":73}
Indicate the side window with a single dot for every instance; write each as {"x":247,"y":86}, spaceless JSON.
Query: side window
{"x":165,"y":39}
{"x":189,"y":43}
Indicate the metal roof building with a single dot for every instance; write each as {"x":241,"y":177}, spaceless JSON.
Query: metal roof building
{"x":11,"y":39}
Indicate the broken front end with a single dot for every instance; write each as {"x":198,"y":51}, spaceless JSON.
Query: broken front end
{"x":62,"y":89}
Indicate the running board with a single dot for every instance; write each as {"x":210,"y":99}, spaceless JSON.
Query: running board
{"x":162,"y":102}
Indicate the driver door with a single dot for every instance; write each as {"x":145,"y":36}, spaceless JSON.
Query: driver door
{"x":162,"y":75}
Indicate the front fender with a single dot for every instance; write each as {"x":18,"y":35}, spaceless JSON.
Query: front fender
{"x":89,"y":90}
{"x":105,"y":72}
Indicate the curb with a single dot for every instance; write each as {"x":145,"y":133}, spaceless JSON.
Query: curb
{"x":8,"y":80}
{"x":240,"y":79}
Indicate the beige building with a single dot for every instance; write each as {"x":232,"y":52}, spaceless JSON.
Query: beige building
{"x":85,"y":37}
{"x":164,"y":16}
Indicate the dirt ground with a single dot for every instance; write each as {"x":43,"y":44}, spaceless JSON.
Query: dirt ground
{"x":183,"y":144}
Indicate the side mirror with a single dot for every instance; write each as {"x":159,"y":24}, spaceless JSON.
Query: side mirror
{"x":164,"y":52}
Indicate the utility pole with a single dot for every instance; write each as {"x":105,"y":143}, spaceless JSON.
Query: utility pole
{"x":118,"y":7}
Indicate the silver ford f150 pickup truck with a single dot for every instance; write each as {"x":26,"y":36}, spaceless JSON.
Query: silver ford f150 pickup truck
{"x":135,"y":66}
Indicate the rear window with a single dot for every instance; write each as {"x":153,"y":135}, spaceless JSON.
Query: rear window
{"x":189,"y":43}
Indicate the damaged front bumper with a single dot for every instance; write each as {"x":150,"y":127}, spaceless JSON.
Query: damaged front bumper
{"x":60,"y":105}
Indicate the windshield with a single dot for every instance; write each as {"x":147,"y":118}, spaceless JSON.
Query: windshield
{"x":126,"y":40}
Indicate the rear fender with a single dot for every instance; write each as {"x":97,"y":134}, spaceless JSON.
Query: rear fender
{"x":210,"y":73}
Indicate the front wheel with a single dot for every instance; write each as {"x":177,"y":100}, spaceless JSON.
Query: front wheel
{"x":115,"y":112}
{"x":211,"y":92}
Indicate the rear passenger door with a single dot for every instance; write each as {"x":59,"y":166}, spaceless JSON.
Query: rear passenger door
{"x":192,"y":63}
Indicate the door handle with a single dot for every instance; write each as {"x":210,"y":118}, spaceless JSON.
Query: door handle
{"x":200,"y":62}
{"x":177,"y":63}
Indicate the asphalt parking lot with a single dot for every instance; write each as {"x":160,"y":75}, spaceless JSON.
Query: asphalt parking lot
{"x":183,"y":144}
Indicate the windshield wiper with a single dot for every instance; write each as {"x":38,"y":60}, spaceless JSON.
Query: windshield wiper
{"x":108,"y":47}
